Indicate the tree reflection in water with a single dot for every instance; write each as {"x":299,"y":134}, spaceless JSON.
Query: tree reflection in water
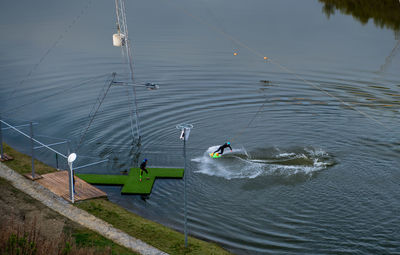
{"x":384,"y":13}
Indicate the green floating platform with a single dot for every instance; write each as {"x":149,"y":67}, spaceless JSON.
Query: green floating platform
{"x":130,"y":182}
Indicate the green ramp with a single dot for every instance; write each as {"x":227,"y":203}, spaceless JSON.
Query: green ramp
{"x":131,"y":183}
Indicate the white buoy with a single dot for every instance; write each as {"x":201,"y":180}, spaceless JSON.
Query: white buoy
{"x":118,"y":40}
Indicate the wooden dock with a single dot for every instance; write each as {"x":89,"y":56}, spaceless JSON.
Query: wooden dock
{"x":58,"y":184}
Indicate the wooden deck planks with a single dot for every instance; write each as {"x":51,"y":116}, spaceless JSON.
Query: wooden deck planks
{"x":58,"y":184}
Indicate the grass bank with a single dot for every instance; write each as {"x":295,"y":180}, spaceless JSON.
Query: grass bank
{"x":29,"y":227}
{"x":22,"y":163}
{"x":153,"y":233}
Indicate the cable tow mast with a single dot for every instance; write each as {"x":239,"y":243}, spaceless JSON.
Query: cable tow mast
{"x":121,"y":39}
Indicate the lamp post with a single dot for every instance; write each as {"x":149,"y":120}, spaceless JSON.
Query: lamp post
{"x":1,"y":139}
{"x":185,"y":131}
{"x":32,"y":151}
{"x":71,"y":159}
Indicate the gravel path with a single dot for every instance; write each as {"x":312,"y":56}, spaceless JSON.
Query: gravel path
{"x":73,"y":213}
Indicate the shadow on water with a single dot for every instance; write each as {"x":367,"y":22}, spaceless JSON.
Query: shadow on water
{"x":265,"y":182}
{"x":384,"y":13}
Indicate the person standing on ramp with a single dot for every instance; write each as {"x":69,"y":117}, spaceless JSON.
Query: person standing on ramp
{"x":143,"y":168}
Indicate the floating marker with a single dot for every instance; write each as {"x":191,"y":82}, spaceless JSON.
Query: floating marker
{"x":235,"y":54}
{"x":265,"y":58}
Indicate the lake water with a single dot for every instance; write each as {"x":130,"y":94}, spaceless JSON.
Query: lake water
{"x":315,"y":161}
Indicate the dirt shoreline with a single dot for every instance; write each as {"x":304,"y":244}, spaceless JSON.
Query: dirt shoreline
{"x":73,"y":213}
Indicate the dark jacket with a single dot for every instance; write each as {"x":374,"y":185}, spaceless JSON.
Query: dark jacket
{"x":143,"y":165}
{"x":225,"y":145}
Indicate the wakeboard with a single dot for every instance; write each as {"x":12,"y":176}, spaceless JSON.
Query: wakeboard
{"x":215,"y":155}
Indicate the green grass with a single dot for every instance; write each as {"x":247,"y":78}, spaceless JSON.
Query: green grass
{"x":106,"y":179}
{"x":22,"y":163}
{"x":155,"y":234}
{"x":131,"y":183}
{"x":87,"y":238}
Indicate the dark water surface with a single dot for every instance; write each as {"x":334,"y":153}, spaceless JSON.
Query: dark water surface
{"x":308,"y":173}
